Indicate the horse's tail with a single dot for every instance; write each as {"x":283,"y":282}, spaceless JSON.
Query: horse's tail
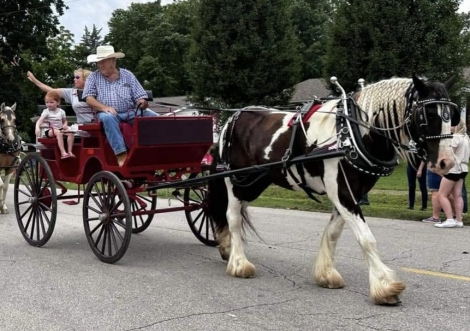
{"x":218,"y":200}
{"x":217,"y":194}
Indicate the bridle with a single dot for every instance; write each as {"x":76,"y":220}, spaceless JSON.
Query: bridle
{"x":6,"y":145}
{"x":416,"y":115}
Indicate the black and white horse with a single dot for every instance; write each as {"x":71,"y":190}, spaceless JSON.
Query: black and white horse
{"x":396,"y":115}
{"x":10,"y":145}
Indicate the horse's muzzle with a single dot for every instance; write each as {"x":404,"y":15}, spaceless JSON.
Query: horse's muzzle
{"x":443,"y":165}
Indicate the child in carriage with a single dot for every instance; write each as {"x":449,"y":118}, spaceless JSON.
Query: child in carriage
{"x":57,"y":123}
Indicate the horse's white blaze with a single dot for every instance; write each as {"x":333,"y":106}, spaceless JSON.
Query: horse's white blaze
{"x":446,"y":155}
{"x":284,"y":127}
{"x":238,"y":265}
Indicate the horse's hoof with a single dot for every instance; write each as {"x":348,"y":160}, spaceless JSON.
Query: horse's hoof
{"x":224,"y":254}
{"x":392,"y":302}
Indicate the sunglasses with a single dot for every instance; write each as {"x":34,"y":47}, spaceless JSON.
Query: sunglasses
{"x":76,"y":77}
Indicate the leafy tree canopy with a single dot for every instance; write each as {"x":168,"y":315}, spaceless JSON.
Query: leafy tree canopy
{"x":376,"y":39}
{"x":243,"y":51}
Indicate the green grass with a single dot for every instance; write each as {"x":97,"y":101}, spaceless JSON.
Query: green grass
{"x":388,"y":199}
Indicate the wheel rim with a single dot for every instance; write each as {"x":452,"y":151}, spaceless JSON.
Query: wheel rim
{"x":200,"y":221}
{"x":107,"y":217}
{"x":35,"y":200}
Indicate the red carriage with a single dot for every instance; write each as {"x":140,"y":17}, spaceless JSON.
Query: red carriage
{"x":117,"y":201}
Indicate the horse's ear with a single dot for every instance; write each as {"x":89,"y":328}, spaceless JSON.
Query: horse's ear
{"x":3,"y":106}
{"x":13,"y":108}
{"x":419,"y":84}
{"x":449,"y":83}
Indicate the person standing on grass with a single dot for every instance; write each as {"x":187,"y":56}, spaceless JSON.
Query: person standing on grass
{"x":412,"y":173}
{"x":434,"y":181}
{"x":452,"y":182}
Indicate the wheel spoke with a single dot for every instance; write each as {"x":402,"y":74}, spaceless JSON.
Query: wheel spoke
{"x":106,"y":200}
{"x":35,"y":200}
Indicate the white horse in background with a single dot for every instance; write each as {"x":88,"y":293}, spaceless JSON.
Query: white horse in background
{"x":10,"y":148}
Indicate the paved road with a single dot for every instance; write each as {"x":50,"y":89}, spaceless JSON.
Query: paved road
{"x":169,"y":281}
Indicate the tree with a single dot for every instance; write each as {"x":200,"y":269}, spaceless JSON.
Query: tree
{"x":244,"y":52}
{"x":310,"y":18}
{"x":376,"y":39}
{"x":88,"y":44}
{"x":156,"y":41}
{"x":25,"y":26}
{"x":129,"y":31}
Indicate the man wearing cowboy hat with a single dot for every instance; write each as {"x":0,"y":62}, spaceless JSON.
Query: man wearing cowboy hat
{"x":112,"y":92}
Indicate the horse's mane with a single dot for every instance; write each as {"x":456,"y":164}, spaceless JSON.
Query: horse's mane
{"x":385,"y":102}
{"x":384,"y":95}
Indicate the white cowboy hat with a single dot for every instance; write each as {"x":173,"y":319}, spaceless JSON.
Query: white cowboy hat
{"x":104,"y":52}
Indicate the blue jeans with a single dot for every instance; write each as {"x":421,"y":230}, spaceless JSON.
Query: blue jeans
{"x":434,"y":180}
{"x":111,"y":127}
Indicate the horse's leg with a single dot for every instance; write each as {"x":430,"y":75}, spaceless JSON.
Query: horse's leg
{"x":324,"y":271}
{"x":385,"y":287}
{"x":384,"y":284}
{"x":238,"y":265}
{"x":223,"y":236}
{"x":4,"y":190}
{"x":2,"y":195}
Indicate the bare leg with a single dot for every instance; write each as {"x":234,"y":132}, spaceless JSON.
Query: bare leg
{"x":70,"y":138}
{"x":444,"y":190}
{"x":458,"y":202}
{"x":60,"y":140}
{"x":436,"y":205}
{"x":324,"y":271}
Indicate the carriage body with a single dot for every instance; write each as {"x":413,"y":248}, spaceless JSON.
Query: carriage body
{"x":117,"y":201}
{"x":160,"y":145}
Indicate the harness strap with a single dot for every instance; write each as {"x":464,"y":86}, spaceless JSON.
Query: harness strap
{"x":302,"y":184}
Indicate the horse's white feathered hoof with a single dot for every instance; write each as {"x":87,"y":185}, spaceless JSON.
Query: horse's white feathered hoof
{"x":329,"y":279}
{"x":387,"y":294}
{"x":242,"y":269}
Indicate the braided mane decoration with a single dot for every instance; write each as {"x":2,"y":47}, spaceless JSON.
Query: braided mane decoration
{"x":386,"y":102}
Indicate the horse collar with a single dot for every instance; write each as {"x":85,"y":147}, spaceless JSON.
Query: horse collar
{"x":357,"y":155}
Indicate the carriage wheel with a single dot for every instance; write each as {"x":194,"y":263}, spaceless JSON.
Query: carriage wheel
{"x":142,"y":222}
{"x":200,"y":220}
{"x":107,"y":217}
{"x":35,"y":200}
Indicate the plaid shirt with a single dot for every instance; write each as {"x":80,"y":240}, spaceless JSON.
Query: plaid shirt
{"x":122,"y":94}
